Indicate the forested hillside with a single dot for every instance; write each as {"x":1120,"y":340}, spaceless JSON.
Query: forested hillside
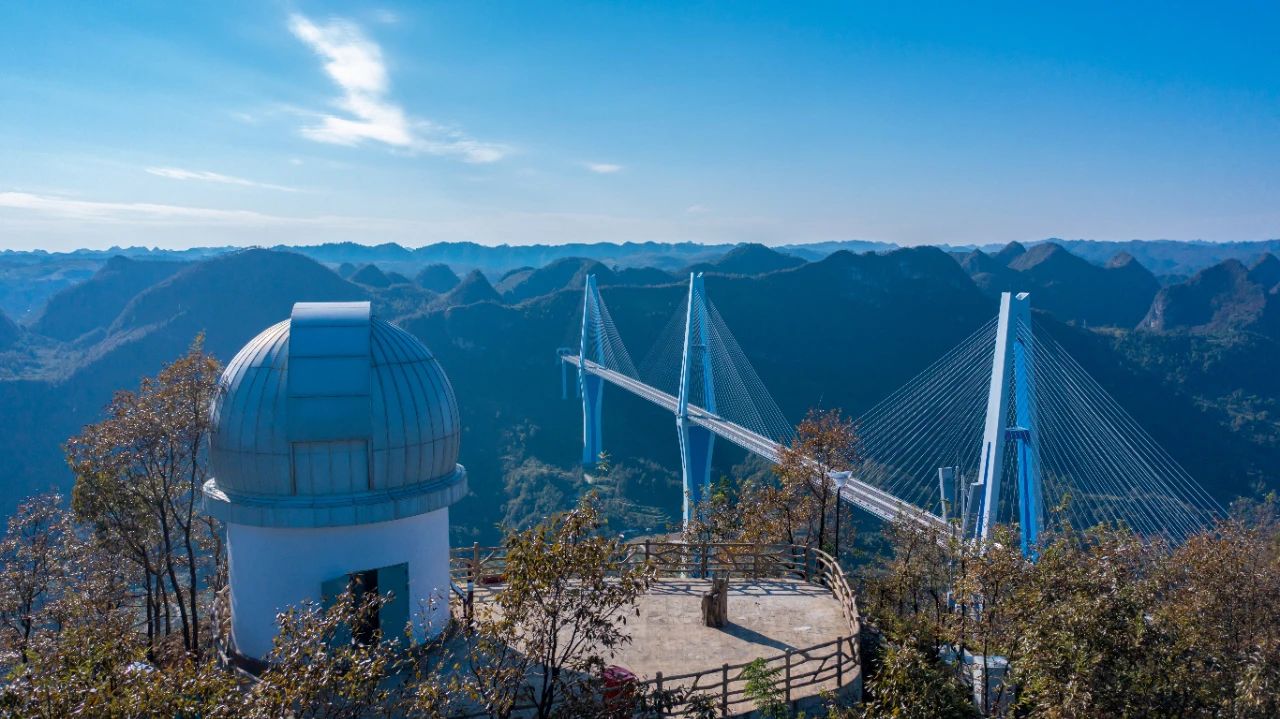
{"x":841,"y":331}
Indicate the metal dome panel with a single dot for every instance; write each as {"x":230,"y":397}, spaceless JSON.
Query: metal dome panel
{"x":333,"y":417}
{"x":329,"y":371}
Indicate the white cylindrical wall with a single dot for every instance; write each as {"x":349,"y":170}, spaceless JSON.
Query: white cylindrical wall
{"x":272,"y":569}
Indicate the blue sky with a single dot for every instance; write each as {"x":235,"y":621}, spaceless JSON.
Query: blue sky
{"x":209,"y":123}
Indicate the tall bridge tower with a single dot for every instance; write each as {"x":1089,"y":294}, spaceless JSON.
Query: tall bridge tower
{"x":591,"y":386}
{"x":696,"y":442}
{"x":1012,"y":378}
{"x":696,"y":387}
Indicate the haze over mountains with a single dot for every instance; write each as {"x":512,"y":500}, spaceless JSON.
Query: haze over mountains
{"x":1187,"y":356}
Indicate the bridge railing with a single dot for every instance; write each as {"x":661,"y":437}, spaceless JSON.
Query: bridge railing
{"x":832,"y":665}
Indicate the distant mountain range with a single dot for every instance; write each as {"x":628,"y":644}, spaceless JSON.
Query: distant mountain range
{"x":841,"y":330}
{"x":1170,"y":257}
{"x":28,"y":278}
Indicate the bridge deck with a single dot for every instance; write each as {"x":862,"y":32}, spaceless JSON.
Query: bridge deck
{"x":869,"y":498}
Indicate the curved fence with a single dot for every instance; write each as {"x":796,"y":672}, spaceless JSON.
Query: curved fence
{"x":832,"y":665}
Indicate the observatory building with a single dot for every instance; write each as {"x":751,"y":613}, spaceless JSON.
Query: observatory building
{"x":334,"y":458}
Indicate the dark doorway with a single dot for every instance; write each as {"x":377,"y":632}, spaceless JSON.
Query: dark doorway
{"x":387,"y":622}
{"x":364,"y":629}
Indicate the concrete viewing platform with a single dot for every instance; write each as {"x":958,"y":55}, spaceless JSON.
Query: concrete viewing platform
{"x":788,"y":606}
{"x":766,"y":618}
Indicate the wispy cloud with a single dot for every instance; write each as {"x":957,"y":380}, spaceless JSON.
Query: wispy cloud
{"x":176,"y":173}
{"x":355,"y":64}
{"x":602,"y":168}
{"x":45,"y":220}
{"x":154,"y":213}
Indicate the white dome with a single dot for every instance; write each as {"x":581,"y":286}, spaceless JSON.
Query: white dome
{"x":329,"y":418}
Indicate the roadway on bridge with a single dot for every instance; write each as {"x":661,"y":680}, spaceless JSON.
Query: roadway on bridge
{"x":869,"y":498}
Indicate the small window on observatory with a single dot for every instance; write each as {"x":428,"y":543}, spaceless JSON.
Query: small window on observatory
{"x":391,"y":618}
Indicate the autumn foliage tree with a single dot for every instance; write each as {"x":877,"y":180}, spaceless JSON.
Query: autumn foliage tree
{"x":139,"y":474}
{"x":546,"y":636}
{"x":34,"y":558}
{"x":826,"y":441}
{"x":795,"y":503}
{"x":70,"y":644}
{"x":98,"y":665}
{"x":1104,"y":623}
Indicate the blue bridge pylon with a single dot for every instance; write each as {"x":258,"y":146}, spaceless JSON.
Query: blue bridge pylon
{"x":697,"y":385}
{"x":1011,"y":371}
{"x":591,"y":386}
{"x":696,"y":441}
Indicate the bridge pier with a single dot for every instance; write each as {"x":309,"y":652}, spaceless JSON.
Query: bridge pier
{"x":696,"y":445}
{"x":592,"y":401}
{"x":1030,"y":496}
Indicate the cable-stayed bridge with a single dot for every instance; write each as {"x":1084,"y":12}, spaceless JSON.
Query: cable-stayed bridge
{"x":1006,"y":408}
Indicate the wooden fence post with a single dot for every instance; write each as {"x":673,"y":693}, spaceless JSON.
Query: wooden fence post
{"x":662,"y":706}
{"x":724,"y":690}
{"x":840,"y":663}
{"x":473,"y":574}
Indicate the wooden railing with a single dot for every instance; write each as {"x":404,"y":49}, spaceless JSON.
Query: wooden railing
{"x":478,"y":569}
{"x":833,"y":664}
